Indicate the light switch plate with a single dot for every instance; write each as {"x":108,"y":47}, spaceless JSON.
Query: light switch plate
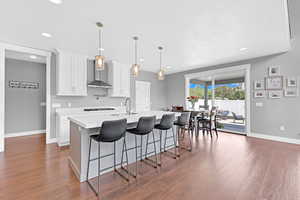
{"x":259,"y":104}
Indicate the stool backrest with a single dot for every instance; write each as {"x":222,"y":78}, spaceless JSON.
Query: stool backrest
{"x":167,"y":121}
{"x":184,"y":118}
{"x":146,"y":124}
{"x":113,"y":130}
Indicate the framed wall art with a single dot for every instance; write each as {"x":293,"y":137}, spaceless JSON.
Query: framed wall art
{"x":274,"y":83}
{"x":259,"y":94}
{"x":291,"y":92}
{"x":291,"y":82}
{"x":276,"y":94}
{"x":274,"y":71}
{"x":259,"y":85}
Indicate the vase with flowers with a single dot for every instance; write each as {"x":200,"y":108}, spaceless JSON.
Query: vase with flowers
{"x":193,"y":100}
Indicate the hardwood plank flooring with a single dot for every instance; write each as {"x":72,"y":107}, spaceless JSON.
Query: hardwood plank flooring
{"x":232,"y":167}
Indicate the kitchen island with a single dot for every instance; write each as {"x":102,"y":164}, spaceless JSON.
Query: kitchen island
{"x":81,"y":127}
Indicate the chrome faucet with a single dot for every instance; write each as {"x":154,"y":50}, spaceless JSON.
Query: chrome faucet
{"x":128,"y":105}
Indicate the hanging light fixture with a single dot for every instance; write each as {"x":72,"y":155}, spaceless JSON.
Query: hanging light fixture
{"x":135,"y":68}
{"x":160,"y":74}
{"x":99,"y":59}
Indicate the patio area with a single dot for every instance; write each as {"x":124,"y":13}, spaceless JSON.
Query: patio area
{"x":231,"y":126}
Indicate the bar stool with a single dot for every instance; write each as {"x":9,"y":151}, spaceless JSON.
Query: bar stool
{"x":182,"y":124}
{"x":110,"y":132}
{"x":144,"y":127}
{"x":165,"y":124}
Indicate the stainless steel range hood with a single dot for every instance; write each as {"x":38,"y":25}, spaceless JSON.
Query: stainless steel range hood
{"x":98,"y":81}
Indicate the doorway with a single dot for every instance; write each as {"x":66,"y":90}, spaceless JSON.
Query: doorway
{"x":25,"y":94}
{"x":228,"y":89}
{"x":142,"y":96}
{"x":27,"y":53}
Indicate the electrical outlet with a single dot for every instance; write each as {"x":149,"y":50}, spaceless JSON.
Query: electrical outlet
{"x":282,"y":128}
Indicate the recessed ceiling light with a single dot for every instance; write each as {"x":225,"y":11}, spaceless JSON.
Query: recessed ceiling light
{"x":33,"y":57}
{"x":168,"y":67}
{"x":56,"y":1}
{"x":243,"y":49}
{"x":100,"y":49}
{"x":48,"y":35}
{"x":142,"y":59}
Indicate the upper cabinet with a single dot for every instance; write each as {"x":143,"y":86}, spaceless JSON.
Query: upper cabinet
{"x":71,"y":74}
{"x":119,"y":78}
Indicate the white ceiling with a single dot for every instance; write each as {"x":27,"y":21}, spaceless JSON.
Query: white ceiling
{"x":195,"y":33}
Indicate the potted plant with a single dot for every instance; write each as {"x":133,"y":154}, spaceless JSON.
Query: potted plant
{"x":193,"y":100}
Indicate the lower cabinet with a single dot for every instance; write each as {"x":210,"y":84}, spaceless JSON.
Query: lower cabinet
{"x":62,"y":130}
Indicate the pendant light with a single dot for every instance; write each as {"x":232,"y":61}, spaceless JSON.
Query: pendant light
{"x":99,"y":59}
{"x":135,"y":68}
{"x":160,"y":74}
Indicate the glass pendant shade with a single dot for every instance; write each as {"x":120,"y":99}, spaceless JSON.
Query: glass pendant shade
{"x":161,"y":75}
{"x":99,"y":62}
{"x":135,"y":70}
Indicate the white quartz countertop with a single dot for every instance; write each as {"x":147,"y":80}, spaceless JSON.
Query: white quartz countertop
{"x":94,"y":120}
{"x":80,"y":110}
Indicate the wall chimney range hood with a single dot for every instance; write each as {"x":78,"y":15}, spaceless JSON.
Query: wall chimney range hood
{"x":98,"y":82}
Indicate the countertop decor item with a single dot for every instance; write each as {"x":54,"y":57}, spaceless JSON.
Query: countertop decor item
{"x":193,"y":100}
{"x":135,"y":68}
{"x":161,"y":73}
{"x":99,"y":59}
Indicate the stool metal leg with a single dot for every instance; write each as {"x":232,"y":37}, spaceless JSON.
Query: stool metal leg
{"x":146,"y":153}
{"x":99,"y":168}
{"x":126,"y":153}
{"x":154,"y":148}
{"x":178,"y":140}
{"x":153,"y":163}
{"x":88,"y":168}
{"x":136,"y":157}
{"x":174,"y":139}
{"x":166,"y":135}
{"x":141,"y":151}
{"x":89,"y":157}
{"x":160,"y":152}
{"x":114,"y":156}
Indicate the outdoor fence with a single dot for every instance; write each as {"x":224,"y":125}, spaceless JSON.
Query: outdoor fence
{"x":236,"y":106}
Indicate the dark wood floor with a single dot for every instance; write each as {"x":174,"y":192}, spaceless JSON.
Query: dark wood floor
{"x":231,"y":168}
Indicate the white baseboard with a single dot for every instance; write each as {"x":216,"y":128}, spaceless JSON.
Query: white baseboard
{"x":275,"y":138}
{"x":25,"y":133}
{"x":51,"y":140}
{"x":75,"y":169}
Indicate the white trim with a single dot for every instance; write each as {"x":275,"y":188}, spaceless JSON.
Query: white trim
{"x":245,"y":68}
{"x":75,"y":169}
{"x":25,"y":133}
{"x":52,"y":140}
{"x":274,"y":138}
{"x":47,"y":54}
{"x":2,"y":98}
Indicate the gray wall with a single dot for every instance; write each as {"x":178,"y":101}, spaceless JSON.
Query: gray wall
{"x":158,"y":98}
{"x":23,"y":111}
{"x":158,"y":89}
{"x":274,"y":113}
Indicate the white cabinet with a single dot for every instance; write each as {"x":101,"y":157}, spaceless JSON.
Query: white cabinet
{"x":119,"y":78}
{"x":62,"y":130}
{"x":71,"y":74}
